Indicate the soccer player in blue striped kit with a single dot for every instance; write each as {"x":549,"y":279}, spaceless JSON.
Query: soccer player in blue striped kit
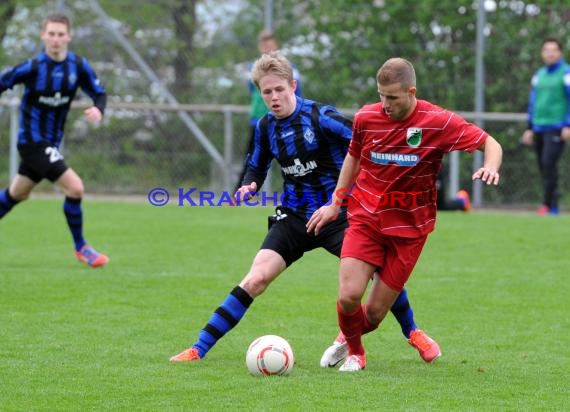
{"x":51,"y":80}
{"x":309,"y":141}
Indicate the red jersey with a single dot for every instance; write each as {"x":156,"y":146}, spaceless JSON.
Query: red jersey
{"x":399,"y":163}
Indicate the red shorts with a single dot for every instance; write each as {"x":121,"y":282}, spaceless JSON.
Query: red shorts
{"x":395,"y":256}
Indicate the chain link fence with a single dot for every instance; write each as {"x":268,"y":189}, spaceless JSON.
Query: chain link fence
{"x":142,"y":146}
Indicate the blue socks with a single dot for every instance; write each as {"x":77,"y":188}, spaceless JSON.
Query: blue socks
{"x":74,"y":217}
{"x":404,"y":314}
{"x":224,"y":318}
{"x":7,"y":202}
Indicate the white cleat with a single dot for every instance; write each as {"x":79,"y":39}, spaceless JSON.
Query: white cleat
{"x":353,"y":363}
{"x":334,"y":354}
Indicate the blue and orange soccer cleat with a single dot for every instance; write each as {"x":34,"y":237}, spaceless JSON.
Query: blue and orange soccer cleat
{"x":426,"y":346}
{"x":189,"y":355}
{"x":91,"y":257}
{"x":463,"y":195}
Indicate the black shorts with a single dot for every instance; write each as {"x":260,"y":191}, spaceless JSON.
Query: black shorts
{"x":288,"y":236}
{"x":41,"y":161}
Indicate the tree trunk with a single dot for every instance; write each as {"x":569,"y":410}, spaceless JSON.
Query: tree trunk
{"x":184,"y":18}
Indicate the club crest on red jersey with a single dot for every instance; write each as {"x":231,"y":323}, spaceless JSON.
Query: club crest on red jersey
{"x":414,"y":136}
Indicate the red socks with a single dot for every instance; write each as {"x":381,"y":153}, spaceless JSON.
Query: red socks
{"x":352,"y":326}
{"x":367,"y":326}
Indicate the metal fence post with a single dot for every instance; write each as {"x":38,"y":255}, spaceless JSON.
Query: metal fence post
{"x":479,"y":96}
{"x":228,"y":149}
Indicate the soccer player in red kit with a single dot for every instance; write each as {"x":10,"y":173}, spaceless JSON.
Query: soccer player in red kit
{"x":391,"y":168}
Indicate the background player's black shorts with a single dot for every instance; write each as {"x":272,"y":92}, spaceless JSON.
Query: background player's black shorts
{"x":288,"y":236}
{"x":41,"y":161}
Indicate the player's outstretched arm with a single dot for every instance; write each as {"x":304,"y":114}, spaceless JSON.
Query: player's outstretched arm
{"x":326,"y":214}
{"x":493,"y":152}
{"x":93,"y":114}
{"x":246,"y":192}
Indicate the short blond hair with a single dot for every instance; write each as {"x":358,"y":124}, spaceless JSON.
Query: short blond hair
{"x":272,"y":63}
{"x":397,"y":70}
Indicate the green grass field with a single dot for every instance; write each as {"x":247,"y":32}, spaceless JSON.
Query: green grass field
{"x":492,"y":288}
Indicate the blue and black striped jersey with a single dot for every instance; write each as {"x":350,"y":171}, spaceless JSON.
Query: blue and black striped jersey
{"x":310,"y":146}
{"x":50,"y":87}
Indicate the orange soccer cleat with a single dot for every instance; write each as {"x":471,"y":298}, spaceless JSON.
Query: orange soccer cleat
{"x":91,"y":257}
{"x":463,"y":195}
{"x":543,"y":210}
{"x":189,"y":355}
{"x":426,"y":346}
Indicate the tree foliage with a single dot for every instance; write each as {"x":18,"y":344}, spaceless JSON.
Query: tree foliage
{"x":7,"y":9}
{"x":339,"y":46}
{"x":200,"y":48}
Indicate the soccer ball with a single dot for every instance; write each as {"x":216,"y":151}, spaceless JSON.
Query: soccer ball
{"x":269,"y":355}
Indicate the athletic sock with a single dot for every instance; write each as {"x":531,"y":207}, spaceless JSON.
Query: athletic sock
{"x":74,"y":217}
{"x":404,"y":314}
{"x":351,"y":325}
{"x":224,"y":318}
{"x":7,"y":202}
{"x":367,"y":327}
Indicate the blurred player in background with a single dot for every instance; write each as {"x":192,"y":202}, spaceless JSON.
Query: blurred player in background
{"x":549,"y":119}
{"x":51,"y":80}
{"x":266,"y":43}
{"x":461,"y":201}
{"x":393,"y":160}
{"x":309,"y":140}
